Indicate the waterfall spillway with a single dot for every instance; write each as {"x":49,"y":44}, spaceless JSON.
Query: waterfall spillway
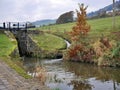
{"x":68,"y":44}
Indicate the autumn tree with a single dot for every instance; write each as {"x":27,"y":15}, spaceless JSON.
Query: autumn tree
{"x":81,"y":28}
{"x":78,"y":50}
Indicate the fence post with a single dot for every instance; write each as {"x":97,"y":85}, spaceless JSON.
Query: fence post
{"x":4,"y":25}
{"x":26,"y":27}
{"x":18,"y":26}
{"x":9,"y":25}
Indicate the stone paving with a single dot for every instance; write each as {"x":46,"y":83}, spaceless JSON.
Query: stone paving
{"x":10,"y":80}
{"x":3,"y":84}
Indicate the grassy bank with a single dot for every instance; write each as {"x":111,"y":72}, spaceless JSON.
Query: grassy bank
{"x":6,"y":48}
{"x":51,"y":46}
{"x":16,"y":67}
{"x":49,"y":42}
{"x":6,"y":45}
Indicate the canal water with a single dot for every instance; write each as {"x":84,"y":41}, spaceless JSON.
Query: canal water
{"x":62,"y":75}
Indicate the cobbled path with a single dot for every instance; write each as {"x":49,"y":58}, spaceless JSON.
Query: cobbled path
{"x":10,"y":80}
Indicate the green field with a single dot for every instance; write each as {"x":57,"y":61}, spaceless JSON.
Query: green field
{"x":100,"y":24}
{"x":98,"y":27}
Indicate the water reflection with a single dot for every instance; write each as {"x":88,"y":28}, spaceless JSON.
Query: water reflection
{"x":75,"y":76}
{"x":89,"y":71}
{"x":35,"y":69}
{"x":78,"y":85}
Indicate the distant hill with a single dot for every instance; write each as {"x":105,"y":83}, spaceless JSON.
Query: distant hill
{"x":91,"y":14}
{"x":44,"y":22}
{"x":107,"y":8}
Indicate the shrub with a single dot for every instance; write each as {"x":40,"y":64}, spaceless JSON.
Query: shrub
{"x":78,"y":50}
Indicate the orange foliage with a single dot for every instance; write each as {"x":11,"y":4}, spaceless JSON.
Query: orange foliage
{"x":81,"y":28}
{"x":73,"y":51}
{"x":77,"y":51}
{"x":106,"y":42}
{"x":41,"y":74}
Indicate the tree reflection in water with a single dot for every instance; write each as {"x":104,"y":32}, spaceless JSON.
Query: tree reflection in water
{"x":77,"y":76}
{"x":78,"y":85}
{"x":35,"y":69}
{"x":87,"y":71}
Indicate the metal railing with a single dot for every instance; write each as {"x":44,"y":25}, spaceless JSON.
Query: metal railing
{"x":15,"y":26}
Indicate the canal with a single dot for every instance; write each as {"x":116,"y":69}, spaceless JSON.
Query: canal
{"x":62,"y":75}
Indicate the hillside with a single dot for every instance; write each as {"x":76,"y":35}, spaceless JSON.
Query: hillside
{"x":43,"y":22}
{"x":106,"y":8}
{"x":98,"y":27}
{"x":91,"y":14}
{"x":96,"y":24}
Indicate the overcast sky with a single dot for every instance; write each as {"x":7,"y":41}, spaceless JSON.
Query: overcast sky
{"x":32,"y":10}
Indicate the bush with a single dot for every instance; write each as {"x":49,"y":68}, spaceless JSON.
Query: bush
{"x":116,"y":51}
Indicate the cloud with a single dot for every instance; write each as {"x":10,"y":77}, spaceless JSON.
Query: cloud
{"x":31,"y":10}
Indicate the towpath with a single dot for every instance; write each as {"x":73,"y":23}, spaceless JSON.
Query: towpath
{"x":10,"y":80}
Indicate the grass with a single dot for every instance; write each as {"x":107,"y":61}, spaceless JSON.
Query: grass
{"x":49,"y":42}
{"x":16,"y":67}
{"x":98,"y":27}
{"x":103,"y":26}
{"x":6,"y":45}
{"x":57,"y":27}
{"x":55,"y":89}
{"x":52,"y":42}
